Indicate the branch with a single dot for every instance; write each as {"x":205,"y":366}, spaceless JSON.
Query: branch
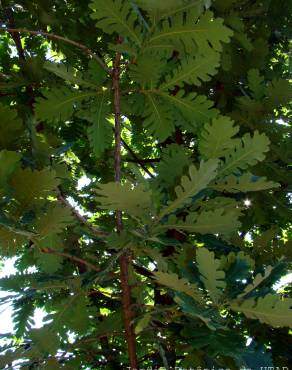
{"x":125,"y":259}
{"x":52,"y":36}
{"x":15,"y":35}
{"x":71,"y":257}
{"x":146,"y":160}
{"x":79,"y":217}
{"x":137,"y":159}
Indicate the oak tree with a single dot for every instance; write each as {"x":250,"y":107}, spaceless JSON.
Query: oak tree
{"x":144,"y":182}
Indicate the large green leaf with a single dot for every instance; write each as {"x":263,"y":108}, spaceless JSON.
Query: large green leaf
{"x":271,"y":309}
{"x":147,"y":70}
{"x":174,"y":157}
{"x":110,"y":324}
{"x":256,"y":84}
{"x":217,"y":138}
{"x":124,"y":197}
{"x":172,"y":281}
{"x":211,"y":274}
{"x":31,"y":186}
{"x":217,"y":221}
{"x":53,"y":220}
{"x":68,"y":74}
{"x":259,"y":278}
{"x":10,"y":127}
{"x":193,"y":71}
{"x":159,"y":119}
{"x":278,"y":92}
{"x":244,"y":183}
{"x":10,"y":242}
{"x":194,"y":109}
{"x":191,"y":308}
{"x":163,"y":8}
{"x":206,"y":33}
{"x":60,"y":103}
{"x":197,"y":180}
{"x":71,"y":313}
{"x":49,"y":262}
{"x":248,"y":152}
{"x":9,"y":162}
{"x":44,"y":341}
{"x":116,"y":16}
{"x":143,"y":323}
{"x":100,"y":133}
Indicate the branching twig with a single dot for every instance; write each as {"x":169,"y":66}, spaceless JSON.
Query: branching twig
{"x":137,"y":159}
{"x":71,"y":257}
{"x":52,"y":36}
{"x":79,"y":217}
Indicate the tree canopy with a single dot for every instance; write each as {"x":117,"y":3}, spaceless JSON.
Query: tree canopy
{"x":145,"y":191}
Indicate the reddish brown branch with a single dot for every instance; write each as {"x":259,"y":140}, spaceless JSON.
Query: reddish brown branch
{"x":52,"y":36}
{"x":125,"y":259}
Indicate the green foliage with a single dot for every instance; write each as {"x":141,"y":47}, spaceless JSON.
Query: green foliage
{"x":9,"y":162}
{"x":10,"y":126}
{"x":255,"y":82}
{"x":249,"y":151}
{"x":207,"y":222}
{"x":68,"y":74}
{"x":187,"y":248}
{"x":243,"y":183}
{"x":194,"y":71}
{"x":147,"y":71}
{"x":30,"y":186}
{"x":59,"y":104}
{"x":116,"y":16}
{"x":180,"y":285}
{"x":194,"y":110}
{"x":191,"y":185}
{"x":100,"y":131}
{"x":53,"y":220}
{"x":217,"y":138}
{"x":10,"y":242}
{"x":211,"y":274}
{"x":206,"y":34}
{"x":133,"y":200}
{"x":158,"y":119}
{"x":259,"y":278}
{"x":173,"y":156}
{"x":270,"y":309}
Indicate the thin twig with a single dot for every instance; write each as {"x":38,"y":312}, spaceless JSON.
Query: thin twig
{"x":126,"y":258}
{"x":53,"y":36}
{"x":79,"y":217}
{"x":146,"y":160}
{"x":137,"y":159}
{"x":71,"y":257}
